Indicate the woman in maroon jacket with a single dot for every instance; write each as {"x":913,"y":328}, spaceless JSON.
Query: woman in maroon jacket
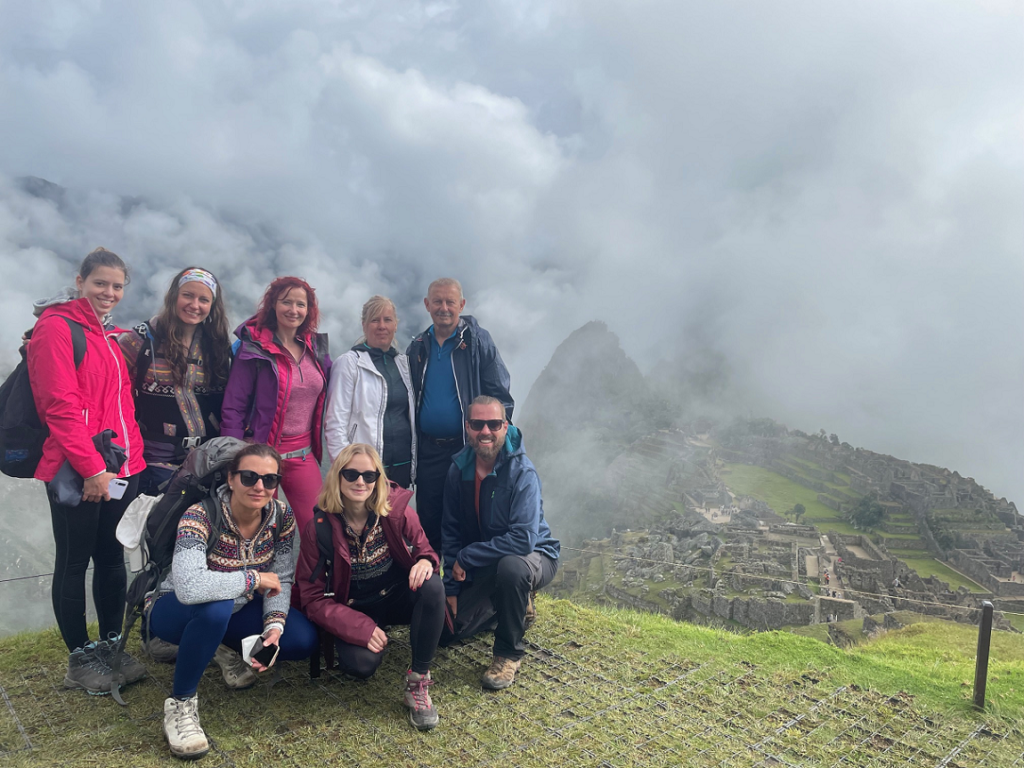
{"x":75,"y":404}
{"x":383,"y":573}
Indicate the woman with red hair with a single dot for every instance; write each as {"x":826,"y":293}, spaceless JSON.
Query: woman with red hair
{"x":275,"y":393}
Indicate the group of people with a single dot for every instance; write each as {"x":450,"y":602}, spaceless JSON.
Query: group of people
{"x":435,"y":418}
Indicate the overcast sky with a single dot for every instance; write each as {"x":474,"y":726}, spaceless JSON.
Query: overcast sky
{"x":826,"y":196}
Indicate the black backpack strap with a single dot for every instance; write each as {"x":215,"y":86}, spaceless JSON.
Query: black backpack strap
{"x":147,"y":353}
{"x":325,"y":546}
{"x":77,"y":340}
{"x":211,"y":507}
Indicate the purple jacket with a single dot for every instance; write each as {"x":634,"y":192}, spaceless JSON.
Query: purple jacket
{"x":256,"y":396}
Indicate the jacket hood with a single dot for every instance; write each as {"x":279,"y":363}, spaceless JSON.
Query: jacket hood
{"x":263,"y":338}
{"x":78,"y":310}
{"x":466,"y":458}
{"x":65,"y":296}
{"x":251,"y":335}
{"x":62,"y":297}
{"x":374,"y":352}
{"x":466,"y":323}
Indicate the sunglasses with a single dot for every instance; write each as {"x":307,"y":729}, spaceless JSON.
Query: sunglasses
{"x":249,"y":478}
{"x":352,"y":475}
{"x":477,"y":425}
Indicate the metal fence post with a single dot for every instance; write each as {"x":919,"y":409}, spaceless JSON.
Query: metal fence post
{"x":981,"y":665}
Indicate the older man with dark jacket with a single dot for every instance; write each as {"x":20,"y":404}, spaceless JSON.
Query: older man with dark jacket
{"x":497,"y":546}
{"x":451,"y":362}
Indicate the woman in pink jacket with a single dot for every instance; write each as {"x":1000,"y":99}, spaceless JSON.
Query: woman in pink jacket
{"x":275,"y":393}
{"x":75,"y":404}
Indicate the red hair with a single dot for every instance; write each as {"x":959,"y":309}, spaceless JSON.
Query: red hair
{"x":266,"y":314}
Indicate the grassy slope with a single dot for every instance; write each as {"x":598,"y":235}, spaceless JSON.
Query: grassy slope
{"x":597,"y":685}
{"x":781,"y":493}
{"x":929,"y":566}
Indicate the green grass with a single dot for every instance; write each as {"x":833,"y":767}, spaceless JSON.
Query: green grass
{"x":781,"y":494}
{"x":929,"y":566}
{"x":597,"y":687}
{"x":926,"y":566}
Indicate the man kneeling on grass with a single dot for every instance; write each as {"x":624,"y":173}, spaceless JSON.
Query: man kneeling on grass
{"x":497,"y":546}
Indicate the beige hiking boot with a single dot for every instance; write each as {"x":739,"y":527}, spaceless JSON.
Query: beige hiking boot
{"x":181,"y":727}
{"x":501,"y":673}
{"x":237,"y":674}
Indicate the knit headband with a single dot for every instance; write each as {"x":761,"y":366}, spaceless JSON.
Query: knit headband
{"x":199,"y":276}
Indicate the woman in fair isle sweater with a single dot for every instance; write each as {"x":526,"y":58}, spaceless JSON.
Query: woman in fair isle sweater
{"x":239,"y":587}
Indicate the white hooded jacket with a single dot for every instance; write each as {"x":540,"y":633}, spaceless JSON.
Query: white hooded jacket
{"x":356,"y":399}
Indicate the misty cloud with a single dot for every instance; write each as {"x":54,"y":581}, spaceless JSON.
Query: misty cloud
{"x":821,"y":202}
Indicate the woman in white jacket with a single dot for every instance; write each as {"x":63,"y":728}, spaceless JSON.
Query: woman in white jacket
{"x":370,"y":398}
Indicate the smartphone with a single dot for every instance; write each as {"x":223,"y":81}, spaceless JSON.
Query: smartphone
{"x":264,"y":654}
{"x":117,"y":488}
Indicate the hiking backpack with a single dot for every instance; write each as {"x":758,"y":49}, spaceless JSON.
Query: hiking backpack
{"x":194,"y":482}
{"x":22,"y":432}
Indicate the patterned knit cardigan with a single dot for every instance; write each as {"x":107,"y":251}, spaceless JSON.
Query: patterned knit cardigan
{"x":229,"y":571}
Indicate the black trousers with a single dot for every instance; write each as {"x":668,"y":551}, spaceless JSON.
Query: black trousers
{"x":432,"y":462}
{"x":422,"y":610}
{"x":82,"y":534}
{"x":401,"y":473}
{"x":497,"y":598}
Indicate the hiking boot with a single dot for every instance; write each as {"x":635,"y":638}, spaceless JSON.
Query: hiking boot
{"x":131,"y":670}
{"x":160,"y":650}
{"x":501,"y":673}
{"x":184,"y":734}
{"x":531,"y":611}
{"x":422,"y":714}
{"x":87,"y":669}
{"x":237,"y":674}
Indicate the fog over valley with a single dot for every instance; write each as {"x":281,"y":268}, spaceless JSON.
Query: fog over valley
{"x":805,"y":211}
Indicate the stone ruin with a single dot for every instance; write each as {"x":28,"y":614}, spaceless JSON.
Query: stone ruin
{"x":708,"y":555}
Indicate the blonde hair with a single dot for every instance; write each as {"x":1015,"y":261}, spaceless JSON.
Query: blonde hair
{"x":376,"y":306}
{"x":331,"y":500}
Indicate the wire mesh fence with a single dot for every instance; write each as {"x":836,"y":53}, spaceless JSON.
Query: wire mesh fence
{"x":578,"y":701}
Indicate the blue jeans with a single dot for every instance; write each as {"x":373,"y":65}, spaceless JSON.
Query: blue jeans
{"x":197,"y":630}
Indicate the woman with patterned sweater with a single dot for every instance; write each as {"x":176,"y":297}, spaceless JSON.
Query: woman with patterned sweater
{"x":178,"y":363}
{"x":241,"y":586}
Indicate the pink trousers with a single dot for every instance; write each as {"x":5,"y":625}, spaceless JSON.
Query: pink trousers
{"x":300,"y":479}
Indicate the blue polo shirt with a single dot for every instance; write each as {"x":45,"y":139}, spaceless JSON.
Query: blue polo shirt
{"x":440,"y":411}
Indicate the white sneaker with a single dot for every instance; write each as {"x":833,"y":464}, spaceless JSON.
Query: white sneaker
{"x":237,"y":674}
{"x":181,"y":727}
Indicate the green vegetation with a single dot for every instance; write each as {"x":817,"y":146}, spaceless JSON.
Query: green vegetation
{"x":781,"y":493}
{"x":866,"y":513}
{"x":597,"y":686}
{"x":929,"y":566}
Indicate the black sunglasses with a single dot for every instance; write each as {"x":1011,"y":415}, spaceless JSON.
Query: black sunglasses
{"x":492,"y":424}
{"x":270,"y":480}
{"x":352,"y":475}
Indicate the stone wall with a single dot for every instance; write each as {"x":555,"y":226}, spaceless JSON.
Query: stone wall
{"x":978,"y":570}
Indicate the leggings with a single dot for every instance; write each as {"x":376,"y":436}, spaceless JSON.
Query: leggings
{"x":300,"y":479}
{"x":199,"y":629}
{"x":422,"y":610}
{"x":81,"y":534}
